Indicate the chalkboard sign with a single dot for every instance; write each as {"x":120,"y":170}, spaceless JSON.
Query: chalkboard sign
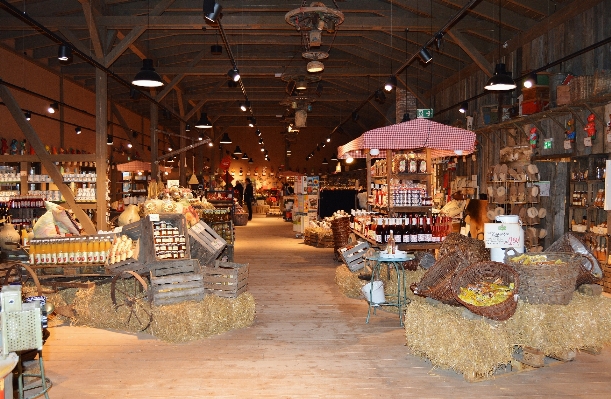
{"x":503,"y":235}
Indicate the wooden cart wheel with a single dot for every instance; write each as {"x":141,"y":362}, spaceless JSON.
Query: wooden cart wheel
{"x":15,"y":273}
{"x":130,"y":295}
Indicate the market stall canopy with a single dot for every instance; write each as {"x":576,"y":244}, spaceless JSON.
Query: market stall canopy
{"x":443,"y":140}
{"x":135,"y":166}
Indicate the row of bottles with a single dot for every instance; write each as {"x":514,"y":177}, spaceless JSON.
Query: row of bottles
{"x":416,"y":228}
{"x":74,"y":250}
{"x":409,"y":193}
{"x":580,"y":198}
{"x":26,"y":201}
{"x":401,"y":163}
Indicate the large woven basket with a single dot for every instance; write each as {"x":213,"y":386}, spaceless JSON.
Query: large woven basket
{"x":341,"y":231}
{"x":436,"y":282}
{"x":589,"y":270}
{"x":474,"y":250}
{"x":240,"y":219}
{"x":545,"y":281}
{"x":488,"y":271}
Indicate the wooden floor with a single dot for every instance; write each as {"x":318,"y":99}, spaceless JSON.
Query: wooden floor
{"x":308,"y":341}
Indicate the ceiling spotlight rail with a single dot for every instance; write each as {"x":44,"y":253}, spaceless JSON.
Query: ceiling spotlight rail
{"x":181,"y":150}
{"x":24,"y":17}
{"x":176,"y":135}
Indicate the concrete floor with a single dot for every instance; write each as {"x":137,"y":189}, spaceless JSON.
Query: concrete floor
{"x":307,"y":341}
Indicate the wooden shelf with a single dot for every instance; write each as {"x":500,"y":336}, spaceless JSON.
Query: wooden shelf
{"x":418,"y":246}
{"x":411,"y":208}
{"x":54,"y":158}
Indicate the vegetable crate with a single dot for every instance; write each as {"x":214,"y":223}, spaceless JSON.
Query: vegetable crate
{"x":204,"y":243}
{"x":354,"y":255}
{"x":179,"y":281}
{"x":225,"y":279}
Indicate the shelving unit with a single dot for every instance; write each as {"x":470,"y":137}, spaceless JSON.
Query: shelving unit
{"x":131,"y":184}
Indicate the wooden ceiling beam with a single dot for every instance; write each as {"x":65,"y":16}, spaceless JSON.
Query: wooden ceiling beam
{"x":471,"y":51}
{"x":92,"y":16}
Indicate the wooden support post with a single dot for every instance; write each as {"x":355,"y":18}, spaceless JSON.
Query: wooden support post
{"x":368,"y":174}
{"x":45,"y":157}
{"x":154,"y":145}
{"x":388,"y":178}
{"x":101,"y":147}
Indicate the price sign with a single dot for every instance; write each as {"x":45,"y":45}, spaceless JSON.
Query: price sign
{"x":154,"y":217}
{"x":587,"y":141}
{"x":503,"y":235}
{"x":567,"y":144}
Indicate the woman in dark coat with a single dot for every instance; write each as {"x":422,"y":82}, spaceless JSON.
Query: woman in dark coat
{"x":248,"y":197}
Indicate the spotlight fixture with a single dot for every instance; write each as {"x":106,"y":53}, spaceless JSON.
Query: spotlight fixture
{"x":77,"y":130}
{"x":129,"y":145}
{"x":245,"y":106}
{"x":355,"y":116}
{"x":380,"y":96}
{"x":210,"y":144}
{"x":64,"y":54}
{"x":323,"y":144}
{"x":334,"y":157}
{"x":530,"y":81}
{"x":325,"y":162}
{"x":109,"y":140}
{"x":252,"y":121}
{"x":328,"y":139}
{"x":244,"y":156}
{"x":28,"y":115}
{"x":187,"y":128}
{"x":349,"y":160}
{"x":250,"y":161}
{"x":262,"y":149}
{"x":147,"y":77}
{"x":134,"y":134}
{"x":53,"y":107}
{"x":203,"y":122}
{"x":234,"y":74}
{"x":258,"y":133}
{"x":216,"y":49}
{"x":500,"y":81}
{"x":201,"y":137}
{"x":225,"y":139}
{"x":237,"y":150}
{"x":425,"y":56}
{"x":169,"y":148}
{"x":391,"y":83}
{"x":212,"y":9}
{"x":463,"y":107}
{"x":315,"y":66}
{"x":406,"y":117}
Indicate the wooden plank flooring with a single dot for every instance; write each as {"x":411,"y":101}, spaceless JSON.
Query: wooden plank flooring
{"x":308,"y":341}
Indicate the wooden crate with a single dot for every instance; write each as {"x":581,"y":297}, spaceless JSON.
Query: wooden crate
{"x":581,"y":87}
{"x":204,"y":243}
{"x":176,"y":288}
{"x":563,"y":95}
{"x":227,"y":254}
{"x":174,"y":266}
{"x":353,"y":255}
{"x":147,"y":245}
{"x":225,"y":279}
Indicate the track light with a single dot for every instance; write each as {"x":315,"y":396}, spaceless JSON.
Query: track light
{"x":245,"y":106}
{"x":261,"y":141}
{"x":251,"y":121}
{"x":406,"y":117}
{"x":237,"y":150}
{"x":500,"y":81}
{"x":234,"y":74}
{"x":77,"y":130}
{"x":258,"y":133}
{"x":380,"y":96}
{"x":109,"y":140}
{"x":225,"y":139}
{"x":64,"y":54}
{"x":53,"y":107}
{"x":28,"y":115}
{"x":391,"y":83}
{"x":203,"y":122}
{"x":425,"y":56}
{"x":187,"y":128}
{"x":147,"y":77}
{"x":328,"y":139}
{"x":530,"y":81}
{"x":212,"y":9}
{"x":262,"y":149}
{"x":463,"y":107}
{"x":210,"y":144}
{"x":244,"y":156}
{"x":169,"y":148}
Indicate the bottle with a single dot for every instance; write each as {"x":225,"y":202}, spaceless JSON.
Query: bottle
{"x":390,"y":247}
{"x":399,"y":230}
{"x":378,"y":230}
{"x":33,"y":259}
{"x":95,"y":257}
{"x":71,"y":251}
{"x":406,"y":230}
{"x":384,"y":231}
{"x":413,"y":234}
{"x":421,"y":232}
{"x":428,"y":232}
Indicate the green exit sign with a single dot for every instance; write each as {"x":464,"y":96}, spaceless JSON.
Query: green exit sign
{"x":547,"y":144}
{"x":424,"y":113}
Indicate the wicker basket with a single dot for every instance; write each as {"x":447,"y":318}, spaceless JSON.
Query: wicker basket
{"x":488,"y":271}
{"x":240,"y":219}
{"x":436,"y":282}
{"x":546,"y":282}
{"x":602,"y":82}
{"x":581,"y":87}
{"x":474,"y":250}
{"x":341,"y":231}
{"x":589,"y":268}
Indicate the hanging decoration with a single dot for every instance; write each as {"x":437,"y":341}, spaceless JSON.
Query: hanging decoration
{"x":590,"y":127}
{"x":570,"y":132}
{"x":534,"y":137}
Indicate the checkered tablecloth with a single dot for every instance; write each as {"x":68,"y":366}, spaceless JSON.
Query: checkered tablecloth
{"x":443,"y":140}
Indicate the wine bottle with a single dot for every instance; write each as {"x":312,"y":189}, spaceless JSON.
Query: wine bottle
{"x":378,"y":230}
{"x":413,"y":233}
{"x":406,"y":230}
{"x":390,"y":246}
{"x":385,"y":230}
{"x":421,"y":232}
{"x":428,"y":232}
{"x":399,"y":230}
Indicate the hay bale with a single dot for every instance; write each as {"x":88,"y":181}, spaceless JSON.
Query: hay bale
{"x":348,"y":282}
{"x":441,"y":334}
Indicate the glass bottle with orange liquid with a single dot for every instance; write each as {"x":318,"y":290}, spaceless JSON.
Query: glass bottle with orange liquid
{"x":72,"y":251}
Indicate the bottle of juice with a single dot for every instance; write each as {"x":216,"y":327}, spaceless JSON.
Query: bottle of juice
{"x":78,"y":251}
{"x":72,"y":251}
{"x":104,"y":249}
{"x":96,"y":251}
{"x":53,"y":252}
{"x":89,"y":242}
{"x":33,"y":259}
{"x":44,"y":253}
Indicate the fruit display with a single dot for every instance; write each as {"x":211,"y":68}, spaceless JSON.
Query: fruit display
{"x":526,"y":260}
{"x":486,"y":293}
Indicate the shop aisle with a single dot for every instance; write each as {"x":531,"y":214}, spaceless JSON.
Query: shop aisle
{"x":308,"y":341}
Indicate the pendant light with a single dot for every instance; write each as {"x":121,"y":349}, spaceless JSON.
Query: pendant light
{"x":500,"y":81}
{"x":109,"y":139}
{"x":147,"y":77}
{"x":204,"y":122}
{"x":64,"y":54}
{"x":250,"y":161}
{"x":225,"y":139}
{"x":245,"y":156}
{"x":187,"y":128}
{"x":28,"y":115}
{"x":391,"y":83}
{"x":234,"y":74}
{"x":77,"y":130}
{"x":237,"y":150}
{"x":463,"y":107}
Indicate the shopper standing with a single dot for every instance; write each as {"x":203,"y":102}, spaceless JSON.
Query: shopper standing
{"x":239,"y":192}
{"x":248,"y":197}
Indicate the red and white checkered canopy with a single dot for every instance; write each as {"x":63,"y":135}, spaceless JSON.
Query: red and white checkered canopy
{"x":443,"y":140}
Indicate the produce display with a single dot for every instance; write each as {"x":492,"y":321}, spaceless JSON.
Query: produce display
{"x":526,"y":260}
{"x":122,"y":248}
{"x":486,"y":293}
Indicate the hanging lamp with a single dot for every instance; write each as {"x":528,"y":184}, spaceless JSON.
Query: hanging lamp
{"x":147,"y":77}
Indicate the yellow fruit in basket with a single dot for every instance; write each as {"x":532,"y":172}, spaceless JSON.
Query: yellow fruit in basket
{"x":486,"y":293}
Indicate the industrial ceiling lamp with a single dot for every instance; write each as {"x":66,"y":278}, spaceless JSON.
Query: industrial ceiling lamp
{"x":500,"y":81}
{"x":147,"y":77}
{"x":334,"y":157}
{"x":109,"y":140}
{"x":234,"y":74}
{"x":250,"y":161}
{"x":325,"y":162}
{"x":425,"y":56}
{"x":406,"y":117}
{"x":203,"y":122}
{"x":463,"y":107}
{"x":315,"y":66}
{"x":237,"y":150}
{"x":244,"y":156}
{"x":212,"y":9}
{"x":225,"y":139}
{"x":53,"y":107}
{"x":77,"y":130}
{"x":64,"y":54}
{"x":391,"y":83}
{"x":187,"y":128}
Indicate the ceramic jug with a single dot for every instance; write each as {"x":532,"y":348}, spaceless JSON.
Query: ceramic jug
{"x":9,"y":234}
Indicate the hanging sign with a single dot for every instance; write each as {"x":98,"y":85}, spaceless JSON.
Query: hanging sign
{"x":587,"y":141}
{"x":502,"y":235}
{"x":424,"y":113}
{"x":567,"y":144}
